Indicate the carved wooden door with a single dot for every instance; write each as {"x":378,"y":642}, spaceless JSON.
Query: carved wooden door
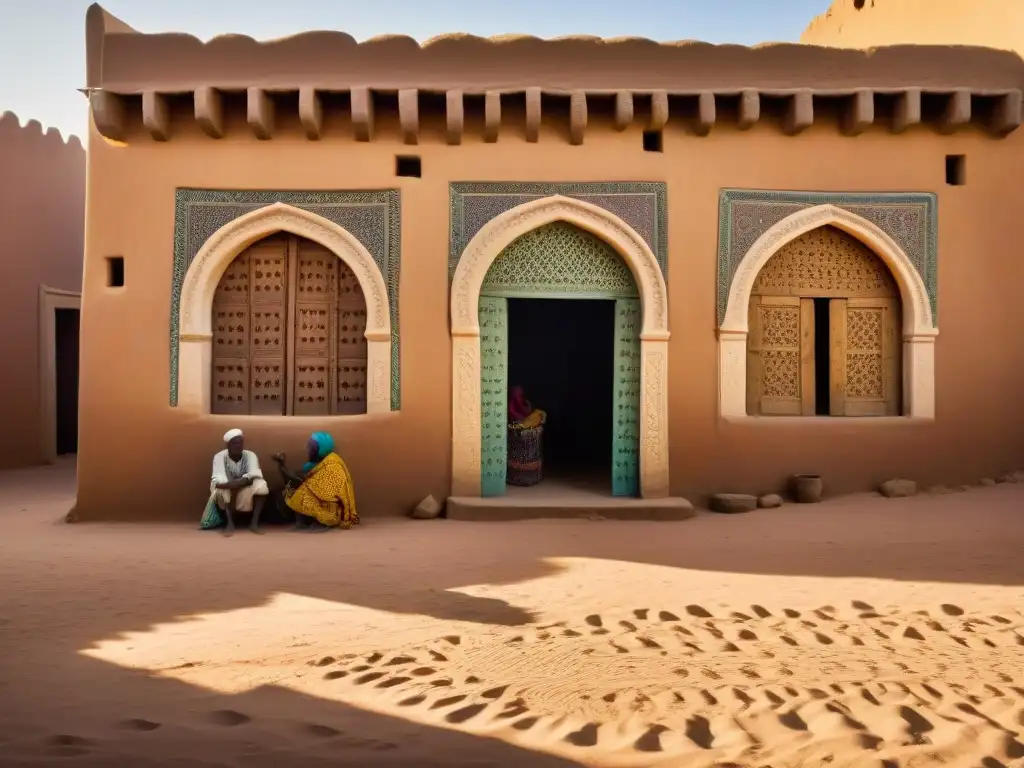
{"x":289,"y":324}
{"x":864,"y":362}
{"x":780,"y":356}
{"x":350,"y":327}
{"x":626,"y":399}
{"x":249,"y":321}
{"x":311,"y":386}
{"x":493,"y":315}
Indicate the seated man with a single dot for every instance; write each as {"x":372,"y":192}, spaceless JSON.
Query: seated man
{"x":237,"y":485}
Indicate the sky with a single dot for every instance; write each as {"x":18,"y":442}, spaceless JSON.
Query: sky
{"x":42,"y":42}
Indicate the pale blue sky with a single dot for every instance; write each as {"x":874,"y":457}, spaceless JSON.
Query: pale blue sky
{"x":42,"y":43}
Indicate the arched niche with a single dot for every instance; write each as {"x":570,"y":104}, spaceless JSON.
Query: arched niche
{"x":216,"y":255}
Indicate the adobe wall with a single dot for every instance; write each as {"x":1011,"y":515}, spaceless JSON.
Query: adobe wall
{"x":42,"y":218}
{"x":129,"y":431}
{"x":871,"y":23}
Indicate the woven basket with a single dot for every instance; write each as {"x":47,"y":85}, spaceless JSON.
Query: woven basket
{"x":525,"y":455}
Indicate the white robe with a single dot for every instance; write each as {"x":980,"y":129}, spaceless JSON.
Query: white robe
{"x":226,"y":470}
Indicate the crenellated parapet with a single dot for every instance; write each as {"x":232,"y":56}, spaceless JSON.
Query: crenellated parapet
{"x":32,"y":137}
{"x":137,"y":79}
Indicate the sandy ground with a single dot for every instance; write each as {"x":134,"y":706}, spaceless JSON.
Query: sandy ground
{"x":861,"y":632}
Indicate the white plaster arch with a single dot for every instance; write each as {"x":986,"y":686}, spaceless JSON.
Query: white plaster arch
{"x":469,"y":276}
{"x":204,"y":273}
{"x":919,"y":331}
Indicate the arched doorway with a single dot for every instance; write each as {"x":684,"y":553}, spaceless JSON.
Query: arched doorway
{"x":289,"y":321}
{"x":469,"y":348}
{"x":283,"y":227}
{"x":560,"y":316}
{"x":824,"y":331}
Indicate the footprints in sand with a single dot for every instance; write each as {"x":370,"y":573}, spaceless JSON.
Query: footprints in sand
{"x":775,"y":683}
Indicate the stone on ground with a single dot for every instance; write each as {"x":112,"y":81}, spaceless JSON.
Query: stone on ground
{"x":898,"y":488}
{"x":427,"y":509}
{"x":733,"y":503}
{"x":769,"y":501}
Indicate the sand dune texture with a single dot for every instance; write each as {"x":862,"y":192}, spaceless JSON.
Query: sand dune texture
{"x":859,"y":633}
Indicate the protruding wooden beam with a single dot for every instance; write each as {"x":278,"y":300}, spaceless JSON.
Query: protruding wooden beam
{"x":492,"y":116}
{"x":799,"y":113}
{"x":311,"y":112}
{"x":750,"y":109}
{"x":908,"y":110}
{"x":209,"y":109}
{"x":108,"y":113}
{"x":860,"y":113}
{"x":706,"y":113}
{"x":533,"y":114}
{"x":260,"y":113}
{"x":156,"y":116}
{"x":623,"y":110}
{"x":958,"y":111}
{"x":1007,"y":115}
{"x":577,"y":116}
{"x":362,"y":113}
{"x":659,"y":111}
{"x":409,"y":115}
{"x":455,"y":113}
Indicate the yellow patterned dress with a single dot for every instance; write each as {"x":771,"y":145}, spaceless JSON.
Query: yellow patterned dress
{"x":327,"y":494}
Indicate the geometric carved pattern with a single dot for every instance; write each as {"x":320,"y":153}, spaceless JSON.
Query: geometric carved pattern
{"x":278,"y":342}
{"x":825,"y":262}
{"x":910,"y":219}
{"x":781,"y":351}
{"x":559,"y":259}
{"x":642,"y":205}
{"x":372,"y":218}
{"x":864,"y":340}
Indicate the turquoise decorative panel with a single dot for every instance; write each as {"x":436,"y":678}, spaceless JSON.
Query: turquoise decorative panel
{"x":493,"y":394}
{"x":374,"y":218}
{"x":909,"y":218}
{"x":626,"y":402}
{"x":560,"y":260}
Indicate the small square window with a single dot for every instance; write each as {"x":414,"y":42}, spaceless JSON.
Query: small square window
{"x":408,"y":165}
{"x":652,"y":141}
{"x":956,"y":170}
{"x":115,"y":271}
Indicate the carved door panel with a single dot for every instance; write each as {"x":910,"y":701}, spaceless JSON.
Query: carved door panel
{"x":626,"y":399}
{"x":780,"y":356}
{"x":230,"y":364}
{"x":864,"y":363}
{"x":350,"y":328}
{"x":313,"y":378}
{"x":268,"y":285}
{"x":493,"y":315}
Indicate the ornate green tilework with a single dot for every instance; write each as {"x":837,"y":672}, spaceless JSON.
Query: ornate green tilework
{"x":373,"y":217}
{"x":909,"y":218}
{"x":641,"y":204}
{"x":559,"y":260}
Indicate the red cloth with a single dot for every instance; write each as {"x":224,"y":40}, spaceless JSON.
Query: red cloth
{"x":518,"y":406}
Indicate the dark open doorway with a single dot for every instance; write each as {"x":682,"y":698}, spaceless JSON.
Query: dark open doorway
{"x":66,"y":375}
{"x":822,"y":357}
{"x":562,"y":352}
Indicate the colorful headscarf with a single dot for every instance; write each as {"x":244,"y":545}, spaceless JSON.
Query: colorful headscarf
{"x":325,"y":444}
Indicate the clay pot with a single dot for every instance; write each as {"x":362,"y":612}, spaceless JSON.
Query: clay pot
{"x":807,"y":489}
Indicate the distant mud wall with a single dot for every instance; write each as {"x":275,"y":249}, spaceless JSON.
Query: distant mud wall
{"x":42,"y":218}
{"x":872,"y":23}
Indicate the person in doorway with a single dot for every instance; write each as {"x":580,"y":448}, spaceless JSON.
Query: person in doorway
{"x":521,"y":412}
{"x":236,"y":485}
{"x":322,"y":494}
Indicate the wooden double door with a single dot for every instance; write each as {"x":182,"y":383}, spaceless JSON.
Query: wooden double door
{"x":821,"y":356}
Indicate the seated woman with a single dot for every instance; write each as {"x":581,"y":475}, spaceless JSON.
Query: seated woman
{"x":322,"y":494}
{"x":521,"y":412}
{"x":236,"y":485}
